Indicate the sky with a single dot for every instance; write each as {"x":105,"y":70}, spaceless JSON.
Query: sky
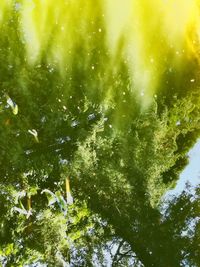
{"x":191,"y":173}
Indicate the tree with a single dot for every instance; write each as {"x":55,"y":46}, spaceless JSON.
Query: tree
{"x":77,"y":111}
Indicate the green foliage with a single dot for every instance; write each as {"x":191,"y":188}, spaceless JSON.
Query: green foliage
{"x":121,"y":158}
{"x":52,"y":235}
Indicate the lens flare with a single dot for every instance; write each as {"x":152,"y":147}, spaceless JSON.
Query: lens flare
{"x":150,"y":36}
{"x":153,"y":30}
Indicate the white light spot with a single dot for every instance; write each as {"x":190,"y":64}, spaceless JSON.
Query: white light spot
{"x":91,"y":116}
{"x":63,"y":161}
{"x":51,"y":69}
{"x":17,"y":6}
{"x":74,"y":123}
{"x":152,"y":60}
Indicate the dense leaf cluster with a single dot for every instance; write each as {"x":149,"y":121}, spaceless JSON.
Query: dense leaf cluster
{"x":88,"y":122}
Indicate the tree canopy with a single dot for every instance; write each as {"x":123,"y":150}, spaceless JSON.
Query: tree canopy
{"x":109,"y":108}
